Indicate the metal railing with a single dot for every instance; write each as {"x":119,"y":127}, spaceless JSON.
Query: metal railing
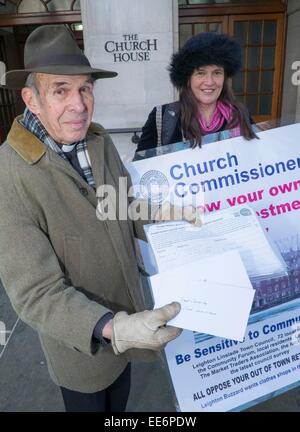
{"x":135,"y":137}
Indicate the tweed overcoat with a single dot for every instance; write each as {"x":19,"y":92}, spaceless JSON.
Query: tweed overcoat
{"x":61,"y":266}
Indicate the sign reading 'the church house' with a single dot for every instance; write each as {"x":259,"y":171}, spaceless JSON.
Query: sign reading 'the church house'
{"x":131,"y":48}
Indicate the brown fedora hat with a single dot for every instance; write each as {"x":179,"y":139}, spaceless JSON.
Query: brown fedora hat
{"x":52,"y":49}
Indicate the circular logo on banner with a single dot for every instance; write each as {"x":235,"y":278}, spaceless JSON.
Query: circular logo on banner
{"x":154,"y":186}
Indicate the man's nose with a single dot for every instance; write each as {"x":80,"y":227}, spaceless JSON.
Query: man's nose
{"x":77,"y":102}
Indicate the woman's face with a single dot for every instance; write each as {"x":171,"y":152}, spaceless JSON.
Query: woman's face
{"x":207,"y":83}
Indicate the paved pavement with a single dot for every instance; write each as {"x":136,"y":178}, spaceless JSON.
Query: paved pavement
{"x":25,"y":385}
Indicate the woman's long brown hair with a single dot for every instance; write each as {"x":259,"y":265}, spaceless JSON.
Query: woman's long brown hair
{"x":189,"y":112}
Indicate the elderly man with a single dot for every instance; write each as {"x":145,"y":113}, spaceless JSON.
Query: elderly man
{"x":69,"y":275}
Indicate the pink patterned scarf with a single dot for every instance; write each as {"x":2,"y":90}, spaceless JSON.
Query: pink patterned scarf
{"x":221,"y":113}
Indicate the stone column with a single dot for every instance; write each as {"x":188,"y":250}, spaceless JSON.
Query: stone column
{"x":135,"y":38}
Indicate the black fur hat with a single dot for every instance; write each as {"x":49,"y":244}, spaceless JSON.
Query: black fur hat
{"x":205,"y":49}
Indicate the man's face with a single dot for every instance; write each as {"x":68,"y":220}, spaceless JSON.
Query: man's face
{"x":65,"y":105}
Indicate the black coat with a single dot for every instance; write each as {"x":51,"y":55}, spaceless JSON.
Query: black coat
{"x":171,"y":114}
{"x":171,"y":127}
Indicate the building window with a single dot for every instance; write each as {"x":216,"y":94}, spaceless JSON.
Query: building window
{"x":262,"y":37}
{"x":38,"y":6}
{"x":213,"y":2}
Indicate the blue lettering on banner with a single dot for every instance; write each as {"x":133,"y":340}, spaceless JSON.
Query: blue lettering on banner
{"x":185,"y":170}
{"x":280,"y":326}
{"x":228,"y":343}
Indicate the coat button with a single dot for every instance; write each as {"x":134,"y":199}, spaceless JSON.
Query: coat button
{"x":83,"y":191}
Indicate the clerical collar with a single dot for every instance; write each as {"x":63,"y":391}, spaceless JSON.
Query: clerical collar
{"x":67,"y":148}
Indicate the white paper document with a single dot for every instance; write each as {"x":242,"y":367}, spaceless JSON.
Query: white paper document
{"x":178,"y":243}
{"x":215,"y":294}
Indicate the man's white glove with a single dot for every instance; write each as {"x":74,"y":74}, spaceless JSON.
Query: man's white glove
{"x":144,"y":330}
{"x":170,"y":212}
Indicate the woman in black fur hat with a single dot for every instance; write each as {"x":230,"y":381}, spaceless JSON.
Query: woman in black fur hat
{"x":207,"y":109}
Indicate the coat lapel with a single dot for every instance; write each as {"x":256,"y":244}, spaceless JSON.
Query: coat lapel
{"x":30,"y":148}
{"x":65,"y":166}
{"x":95,"y":146}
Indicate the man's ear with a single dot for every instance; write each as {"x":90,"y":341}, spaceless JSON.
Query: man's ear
{"x":30,"y":99}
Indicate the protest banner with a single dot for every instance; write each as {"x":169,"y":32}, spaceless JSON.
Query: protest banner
{"x":213,"y":374}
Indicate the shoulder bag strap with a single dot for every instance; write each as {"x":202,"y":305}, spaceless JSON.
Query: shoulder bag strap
{"x":159,"y":124}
